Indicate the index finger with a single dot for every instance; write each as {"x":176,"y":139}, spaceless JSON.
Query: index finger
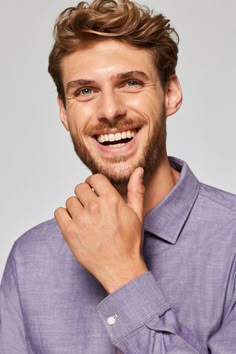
{"x":101,"y":185}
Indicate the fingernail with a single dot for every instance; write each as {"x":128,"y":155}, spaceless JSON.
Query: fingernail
{"x":141,"y":173}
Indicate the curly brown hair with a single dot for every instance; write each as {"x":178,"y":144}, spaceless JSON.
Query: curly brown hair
{"x":121,"y":19}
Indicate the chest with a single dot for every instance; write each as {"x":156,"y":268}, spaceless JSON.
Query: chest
{"x":60,"y":313}
{"x":195,"y":282}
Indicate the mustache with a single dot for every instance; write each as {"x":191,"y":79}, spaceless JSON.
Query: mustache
{"x":118,"y":124}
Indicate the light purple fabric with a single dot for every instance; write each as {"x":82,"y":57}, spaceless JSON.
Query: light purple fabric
{"x":186,"y":303}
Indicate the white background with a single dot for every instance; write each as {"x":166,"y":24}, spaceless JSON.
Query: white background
{"x":38,"y":166}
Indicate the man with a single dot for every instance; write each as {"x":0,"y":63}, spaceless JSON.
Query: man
{"x":142,"y":259}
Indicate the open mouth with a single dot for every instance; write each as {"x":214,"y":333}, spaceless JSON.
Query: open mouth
{"x":116,"y":139}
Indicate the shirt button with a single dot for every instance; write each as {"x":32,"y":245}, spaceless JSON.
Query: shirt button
{"x":112,"y":320}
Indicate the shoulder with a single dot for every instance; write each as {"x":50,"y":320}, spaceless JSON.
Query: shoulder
{"x":40,"y":258}
{"x":214,"y":214}
{"x":41,"y":239}
{"x":218,"y":198}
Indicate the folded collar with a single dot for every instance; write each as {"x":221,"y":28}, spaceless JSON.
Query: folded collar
{"x":167,"y":219}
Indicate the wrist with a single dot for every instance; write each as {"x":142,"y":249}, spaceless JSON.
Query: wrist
{"x":121,"y":277}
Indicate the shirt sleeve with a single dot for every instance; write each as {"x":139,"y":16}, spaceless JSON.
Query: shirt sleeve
{"x":12,"y":333}
{"x":224,"y":340}
{"x":139,"y":320}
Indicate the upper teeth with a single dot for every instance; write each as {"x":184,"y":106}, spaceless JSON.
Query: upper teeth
{"x":115,"y":137}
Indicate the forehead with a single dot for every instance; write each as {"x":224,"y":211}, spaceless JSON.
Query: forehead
{"x":106,"y":58}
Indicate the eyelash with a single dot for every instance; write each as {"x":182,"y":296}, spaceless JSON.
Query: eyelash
{"x":79,"y":91}
{"x":134,"y":82}
{"x":137,"y":82}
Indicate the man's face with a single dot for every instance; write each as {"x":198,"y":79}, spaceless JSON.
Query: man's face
{"x":115,"y":108}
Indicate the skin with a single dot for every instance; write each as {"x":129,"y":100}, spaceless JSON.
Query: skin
{"x":104,"y":228}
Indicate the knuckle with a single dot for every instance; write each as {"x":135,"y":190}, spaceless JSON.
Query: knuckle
{"x":78,"y":187}
{"x":91,"y":179}
{"x":69,"y":232}
{"x":112,"y":199}
{"x":94,"y":177}
{"x":57,"y":212}
{"x":70,"y":201}
{"x":141,"y":191}
{"x":93,"y":206}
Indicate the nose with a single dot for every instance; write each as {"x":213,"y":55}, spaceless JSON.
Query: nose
{"x":111,"y":106}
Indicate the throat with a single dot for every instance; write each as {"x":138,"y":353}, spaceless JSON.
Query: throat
{"x":121,"y":189}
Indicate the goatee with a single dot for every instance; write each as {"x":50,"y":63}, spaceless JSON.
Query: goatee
{"x":151,"y":157}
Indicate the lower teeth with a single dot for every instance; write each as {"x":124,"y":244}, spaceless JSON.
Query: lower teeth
{"x":116,"y":143}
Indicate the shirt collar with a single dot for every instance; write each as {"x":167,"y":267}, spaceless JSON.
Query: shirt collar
{"x":167,"y":219}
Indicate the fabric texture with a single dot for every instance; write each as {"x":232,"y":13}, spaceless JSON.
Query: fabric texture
{"x":186,"y":303}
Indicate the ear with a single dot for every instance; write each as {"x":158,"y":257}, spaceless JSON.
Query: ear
{"x":63,"y":113}
{"x":173,"y":96}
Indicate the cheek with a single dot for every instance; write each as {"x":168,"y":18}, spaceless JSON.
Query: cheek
{"x":79,"y":116}
{"x":148,"y":103}
{"x":136,"y":102}
{"x":155,"y":107}
{"x":154,"y":111}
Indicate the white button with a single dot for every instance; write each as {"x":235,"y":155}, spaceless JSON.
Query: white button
{"x":112,"y":320}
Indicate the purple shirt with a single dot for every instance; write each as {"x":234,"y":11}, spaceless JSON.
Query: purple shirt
{"x":186,"y":303}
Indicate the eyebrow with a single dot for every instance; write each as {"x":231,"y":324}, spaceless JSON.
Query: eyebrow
{"x":79,"y":82}
{"x":125,"y":75}
{"x":133,"y":73}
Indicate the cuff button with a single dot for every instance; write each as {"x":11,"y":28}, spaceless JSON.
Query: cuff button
{"x":111,"y":320}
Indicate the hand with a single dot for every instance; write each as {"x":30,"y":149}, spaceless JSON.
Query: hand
{"x":103,"y":231}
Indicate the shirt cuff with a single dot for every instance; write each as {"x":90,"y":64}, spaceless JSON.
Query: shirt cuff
{"x":129,"y":307}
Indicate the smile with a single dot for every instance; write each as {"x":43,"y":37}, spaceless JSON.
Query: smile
{"x":117,"y":138}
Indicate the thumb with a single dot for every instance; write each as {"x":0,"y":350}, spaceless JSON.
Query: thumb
{"x":135,"y":192}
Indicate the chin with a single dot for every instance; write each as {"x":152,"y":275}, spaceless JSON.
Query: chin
{"x":116,"y":173}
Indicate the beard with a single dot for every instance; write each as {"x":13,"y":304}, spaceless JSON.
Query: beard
{"x":152,"y":154}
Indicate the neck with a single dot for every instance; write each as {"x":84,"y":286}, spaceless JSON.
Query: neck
{"x":159,"y":184}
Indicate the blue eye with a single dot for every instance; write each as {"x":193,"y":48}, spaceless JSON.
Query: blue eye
{"x":84,"y":91}
{"x":133,"y":83}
